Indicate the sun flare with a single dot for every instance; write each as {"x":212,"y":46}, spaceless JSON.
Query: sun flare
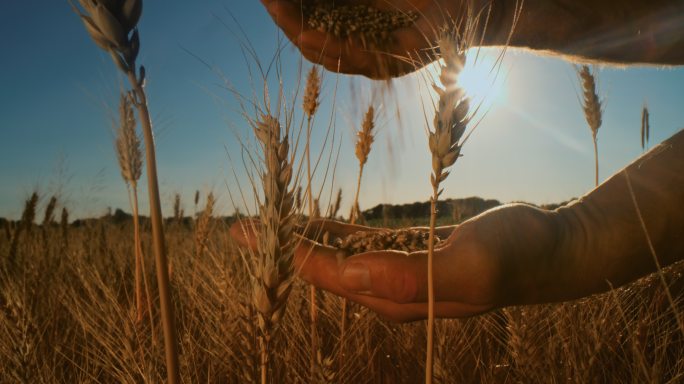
{"x":483,"y":82}
{"x":482,"y":79}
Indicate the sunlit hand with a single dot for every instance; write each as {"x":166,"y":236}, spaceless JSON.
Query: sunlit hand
{"x":469,"y":270}
{"x":407,"y":50}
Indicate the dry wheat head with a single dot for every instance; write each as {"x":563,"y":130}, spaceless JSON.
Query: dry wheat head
{"x":591,"y":103}
{"x":273,"y":271}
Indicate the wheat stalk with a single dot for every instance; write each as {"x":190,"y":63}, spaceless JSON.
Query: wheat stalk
{"x":592,"y":106}
{"x":450,"y":122}
{"x":273,"y":269}
{"x":129,"y":154}
{"x":112,"y":25}
{"x":364,"y":140}
{"x":310,"y":104}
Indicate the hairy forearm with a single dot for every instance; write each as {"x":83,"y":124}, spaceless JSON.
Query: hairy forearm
{"x":627,"y":31}
{"x":602,"y":242}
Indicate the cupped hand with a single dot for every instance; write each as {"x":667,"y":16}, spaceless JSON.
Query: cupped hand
{"x":394,"y":283}
{"x":407,"y":50}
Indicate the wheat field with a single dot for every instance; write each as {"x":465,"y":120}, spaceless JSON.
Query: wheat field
{"x":81,"y":301}
{"x":69,"y":315}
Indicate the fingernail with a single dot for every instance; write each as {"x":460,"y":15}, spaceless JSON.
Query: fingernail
{"x":356,"y":277}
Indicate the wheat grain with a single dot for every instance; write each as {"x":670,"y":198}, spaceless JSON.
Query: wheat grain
{"x":407,"y":240}
{"x":370,"y":24}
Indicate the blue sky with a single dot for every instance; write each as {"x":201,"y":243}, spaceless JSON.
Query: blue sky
{"x":58,"y":91}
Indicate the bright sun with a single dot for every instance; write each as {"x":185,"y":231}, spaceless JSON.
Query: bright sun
{"x":482,"y":79}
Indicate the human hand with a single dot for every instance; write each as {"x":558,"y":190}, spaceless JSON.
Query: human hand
{"x":407,"y":49}
{"x":470,"y":270}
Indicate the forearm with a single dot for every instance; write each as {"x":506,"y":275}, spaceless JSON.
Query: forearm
{"x":601,"y":240}
{"x":628,"y":31}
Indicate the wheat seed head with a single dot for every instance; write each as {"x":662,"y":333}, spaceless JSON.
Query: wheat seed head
{"x":451,"y":114}
{"x":109,"y":23}
{"x":645,"y":126}
{"x":591,"y":102}
{"x":273,"y":272}
{"x":365,"y":137}
{"x":128,"y":145}
{"x":312,"y":93}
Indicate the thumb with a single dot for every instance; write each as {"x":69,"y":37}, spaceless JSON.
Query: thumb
{"x":392,"y":275}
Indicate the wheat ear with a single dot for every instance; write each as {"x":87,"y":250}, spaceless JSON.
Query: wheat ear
{"x":112,"y":25}
{"x":25,"y":224}
{"x":450,"y":122}
{"x":592,"y":110}
{"x":273,"y":270}
{"x":645,"y":127}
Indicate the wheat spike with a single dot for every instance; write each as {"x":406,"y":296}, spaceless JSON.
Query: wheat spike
{"x":49,"y":215}
{"x":364,"y":141}
{"x":645,"y":127}
{"x":591,"y":103}
{"x":128,"y":144}
{"x":445,"y":142}
{"x":335,"y":207}
{"x":364,"y":137}
{"x":273,"y":269}
{"x":592,"y":106}
{"x":64,"y":225}
{"x":312,"y":93}
{"x":451,"y":115}
{"x":28,"y":216}
{"x":203,"y":228}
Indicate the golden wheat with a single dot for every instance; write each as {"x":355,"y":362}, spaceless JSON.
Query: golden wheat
{"x":445,"y":142}
{"x":273,"y":269}
{"x":593,"y":109}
